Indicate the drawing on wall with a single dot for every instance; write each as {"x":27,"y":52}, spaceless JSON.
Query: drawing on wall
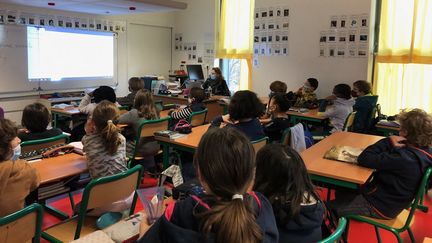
{"x":271,"y":31}
{"x":347,"y":36}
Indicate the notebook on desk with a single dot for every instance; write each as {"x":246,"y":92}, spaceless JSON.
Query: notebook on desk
{"x":346,"y":154}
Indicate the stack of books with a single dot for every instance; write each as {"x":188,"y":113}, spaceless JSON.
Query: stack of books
{"x":169,"y":134}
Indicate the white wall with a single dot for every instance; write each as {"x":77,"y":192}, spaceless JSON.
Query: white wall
{"x":307,"y":19}
{"x":196,"y":23}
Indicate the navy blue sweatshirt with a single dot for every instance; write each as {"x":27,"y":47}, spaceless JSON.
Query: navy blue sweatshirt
{"x":363,"y":118}
{"x":397,"y":176}
{"x":180,"y":224}
{"x":252,"y":129}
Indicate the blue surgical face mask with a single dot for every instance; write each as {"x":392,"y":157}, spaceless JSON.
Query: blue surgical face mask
{"x":212,"y":76}
{"x":16,"y":153}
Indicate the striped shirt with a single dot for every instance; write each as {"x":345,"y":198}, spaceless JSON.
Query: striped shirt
{"x":99,"y":161}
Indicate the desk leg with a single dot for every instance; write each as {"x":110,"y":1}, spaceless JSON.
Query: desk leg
{"x":165,"y":149}
{"x":55,"y":117}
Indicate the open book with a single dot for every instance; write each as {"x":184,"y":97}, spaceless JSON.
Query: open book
{"x":343,"y":153}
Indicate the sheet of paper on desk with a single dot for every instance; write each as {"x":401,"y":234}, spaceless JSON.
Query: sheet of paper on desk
{"x":78,"y":147}
{"x":63,"y":106}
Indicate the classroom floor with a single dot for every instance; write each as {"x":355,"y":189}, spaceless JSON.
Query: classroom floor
{"x":359,"y":232}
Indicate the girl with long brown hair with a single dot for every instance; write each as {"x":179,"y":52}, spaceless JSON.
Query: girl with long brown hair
{"x":144,"y":109}
{"x":226,"y":211}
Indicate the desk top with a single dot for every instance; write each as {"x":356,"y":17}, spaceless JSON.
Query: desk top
{"x":69,"y":111}
{"x":57,"y":168}
{"x":312,"y":113}
{"x":191,"y":140}
{"x":427,"y":240}
{"x":316,"y":164}
{"x":387,"y":127}
{"x":213,"y":98}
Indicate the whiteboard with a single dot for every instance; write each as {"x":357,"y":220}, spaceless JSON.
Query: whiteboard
{"x":149,"y":50}
{"x":13,"y":65}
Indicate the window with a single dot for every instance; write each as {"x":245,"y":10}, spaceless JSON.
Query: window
{"x":403,"y":77}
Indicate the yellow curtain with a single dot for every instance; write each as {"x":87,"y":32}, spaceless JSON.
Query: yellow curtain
{"x":403,"y":77}
{"x":235,"y":35}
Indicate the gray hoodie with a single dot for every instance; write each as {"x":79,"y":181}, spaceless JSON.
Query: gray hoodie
{"x":338,"y":112}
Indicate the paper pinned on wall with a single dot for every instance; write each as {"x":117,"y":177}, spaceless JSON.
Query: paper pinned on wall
{"x":354,"y":21}
{"x":334,"y":22}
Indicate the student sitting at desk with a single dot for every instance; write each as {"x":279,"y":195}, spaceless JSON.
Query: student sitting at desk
{"x":278,"y":107}
{"x":196,"y":98}
{"x":276,"y":87}
{"x":282,"y":177}
{"x":17,"y":177}
{"x":217,"y":83}
{"x":143,"y":109}
{"x":135,"y":84}
{"x":364,"y":105}
{"x":244,"y":110}
{"x":227,"y":210}
{"x":399,"y":164}
{"x":105,"y":148}
{"x":341,"y":108}
{"x":86,"y":105}
{"x":35,"y":119}
{"x":305,"y":96}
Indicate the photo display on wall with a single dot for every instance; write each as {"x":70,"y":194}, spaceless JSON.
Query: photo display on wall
{"x":271,"y":31}
{"x":59,"y":21}
{"x":347,"y":36}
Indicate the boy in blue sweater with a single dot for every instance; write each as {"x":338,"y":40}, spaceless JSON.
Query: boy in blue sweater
{"x":364,"y":105}
{"x":399,"y":164}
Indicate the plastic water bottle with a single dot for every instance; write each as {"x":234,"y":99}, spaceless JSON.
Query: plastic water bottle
{"x":209,"y":91}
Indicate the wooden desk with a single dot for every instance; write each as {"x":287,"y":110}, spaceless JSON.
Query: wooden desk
{"x":427,"y":240}
{"x":387,"y":130}
{"x":311,"y":115}
{"x":187,"y":143}
{"x":335,"y":172}
{"x":60,"y":167}
{"x":213,"y":107}
{"x":56,"y":112}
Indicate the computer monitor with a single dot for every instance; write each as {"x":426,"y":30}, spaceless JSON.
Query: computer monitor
{"x":148,"y":81}
{"x":195,"y":72}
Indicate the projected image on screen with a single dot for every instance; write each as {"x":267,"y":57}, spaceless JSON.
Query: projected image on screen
{"x":55,"y":55}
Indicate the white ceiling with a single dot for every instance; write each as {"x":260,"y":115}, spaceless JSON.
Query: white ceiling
{"x":105,"y":7}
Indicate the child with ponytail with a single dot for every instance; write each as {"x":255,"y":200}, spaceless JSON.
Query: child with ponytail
{"x":227,"y":211}
{"x":278,"y":107}
{"x":104,"y":146}
{"x":105,"y":150}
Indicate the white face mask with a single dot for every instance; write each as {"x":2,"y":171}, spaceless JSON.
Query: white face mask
{"x":16,"y":153}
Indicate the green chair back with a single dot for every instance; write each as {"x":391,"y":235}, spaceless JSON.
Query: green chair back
{"x":38,"y":144}
{"x":105,"y":190}
{"x":23,"y":225}
{"x":349,"y":121}
{"x":258,"y":144}
{"x":406,"y":226}
{"x":146,"y":129}
{"x":197,"y":118}
{"x":336,"y":235}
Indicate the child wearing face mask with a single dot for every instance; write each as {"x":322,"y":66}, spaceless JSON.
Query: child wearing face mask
{"x":278,"y":106}
{"x":196,"y":98}
{"x":17,"y":177}
{"x":217,"y":83}
{"x":305,"y":96}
